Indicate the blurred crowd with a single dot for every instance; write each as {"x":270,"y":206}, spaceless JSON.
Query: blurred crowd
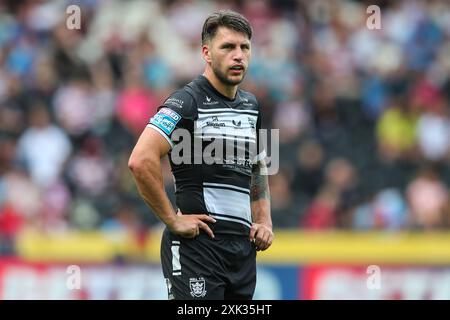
{"x":363,"y":114}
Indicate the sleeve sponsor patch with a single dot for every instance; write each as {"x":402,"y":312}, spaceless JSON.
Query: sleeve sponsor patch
{"x":166,"y":120}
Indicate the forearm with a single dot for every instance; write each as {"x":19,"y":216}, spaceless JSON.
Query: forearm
{"x":261,"y":212}
{"x":260,"y":195}
{"x":150,"y":184}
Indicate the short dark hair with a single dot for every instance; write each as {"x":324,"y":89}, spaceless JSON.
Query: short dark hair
{"x":225,"y":18}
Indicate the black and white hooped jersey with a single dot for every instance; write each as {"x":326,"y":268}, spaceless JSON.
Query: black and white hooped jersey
{"x":212,"y":164}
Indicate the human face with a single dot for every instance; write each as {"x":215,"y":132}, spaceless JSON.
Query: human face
{"x":228,"y":54}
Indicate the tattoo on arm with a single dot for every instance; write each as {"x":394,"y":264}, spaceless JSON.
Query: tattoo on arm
{"x":260,"y":184}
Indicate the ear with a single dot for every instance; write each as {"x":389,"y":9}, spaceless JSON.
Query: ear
{"x":206,"y":53}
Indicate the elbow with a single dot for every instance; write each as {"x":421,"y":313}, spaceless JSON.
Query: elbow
{"x":134,"y":163}
{"x":139,"y":163}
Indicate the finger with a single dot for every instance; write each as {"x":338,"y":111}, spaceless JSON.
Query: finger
{"x":179,"y":213}
{"x":197,"y":231}
{"x":259,"y":236}
{"x":270,"y":240}
{"x":205,"y":217}
{"x":194,"y":232}
{"x":261,"y":243}
{"x":269,"y":243}
{"x":262,"y":238}
{"x":253,"y":230}
{"x":265,"y":241}
{"x":206,"y":228}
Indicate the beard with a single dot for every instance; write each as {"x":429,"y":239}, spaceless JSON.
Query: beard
{"x":224,"y":79}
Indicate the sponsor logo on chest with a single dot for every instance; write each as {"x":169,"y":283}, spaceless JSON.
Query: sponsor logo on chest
{"x":240,"y":124}
{"x":209,"y":101}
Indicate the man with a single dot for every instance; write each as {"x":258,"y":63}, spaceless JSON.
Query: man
{"x":208,"y":249}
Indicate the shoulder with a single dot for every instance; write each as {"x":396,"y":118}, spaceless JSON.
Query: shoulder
{"x":249,"y":99}
{"x":248,"y":95}
{"x":182,"y":102}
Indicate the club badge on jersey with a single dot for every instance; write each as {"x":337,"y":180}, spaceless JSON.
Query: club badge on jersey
{"x":198,"y":287}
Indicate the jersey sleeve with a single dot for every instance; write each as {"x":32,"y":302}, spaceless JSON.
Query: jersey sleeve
{"x":175,"y":113}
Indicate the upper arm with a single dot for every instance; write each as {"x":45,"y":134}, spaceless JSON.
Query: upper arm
{"x":152,"y":142}
{"x":151,"y":145}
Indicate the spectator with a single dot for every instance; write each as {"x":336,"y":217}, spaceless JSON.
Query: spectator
{"x":428,"y":198}
{"x":321,"y":214}
{"x":135,"y":104}
{"x":433,"y":135}
{"x":43,"y":148}
{"x":396,"y":131}
{"x":73,"y":108}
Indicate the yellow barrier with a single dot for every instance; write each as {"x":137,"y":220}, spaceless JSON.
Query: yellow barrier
{"x":357,"y":248}
{"x":290,"y":247}
{"x":90,"y":247}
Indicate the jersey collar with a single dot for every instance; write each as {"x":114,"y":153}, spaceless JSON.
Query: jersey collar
{"x":208,"y":84}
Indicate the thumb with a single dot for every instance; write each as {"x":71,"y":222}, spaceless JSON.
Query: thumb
{"x":253,"y":230}
{"x":179,"y":213}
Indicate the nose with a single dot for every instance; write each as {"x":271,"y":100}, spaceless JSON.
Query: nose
{"x":239,"y":55}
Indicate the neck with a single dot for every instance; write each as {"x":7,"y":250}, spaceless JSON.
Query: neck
{"x":228,"y":91}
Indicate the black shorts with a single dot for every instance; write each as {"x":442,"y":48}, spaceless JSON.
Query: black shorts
{"x":206,"y":268}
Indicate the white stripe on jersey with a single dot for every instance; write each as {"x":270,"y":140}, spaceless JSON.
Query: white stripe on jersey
{"x":228,"y":202}
{"x":244,"y":139}
{"x":226,"y":110}
{"x":248,"y":224}
{"x":212,"y":184}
